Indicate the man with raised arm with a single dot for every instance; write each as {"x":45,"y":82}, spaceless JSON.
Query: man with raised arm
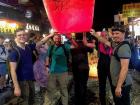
{"x":121,"y":79}
{"x":21,"y":67}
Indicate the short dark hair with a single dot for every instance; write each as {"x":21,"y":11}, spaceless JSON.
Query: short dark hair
{"x":119,"y":28}
{"x":56,"y":34}
{"x":20,"y":29}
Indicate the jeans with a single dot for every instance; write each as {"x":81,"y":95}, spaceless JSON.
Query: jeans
{"x":27,"y":92}
{"x":125,"y":98}
{"x":57,"y":81}
{"x":80,"y":84}
{"x":103,"y":75}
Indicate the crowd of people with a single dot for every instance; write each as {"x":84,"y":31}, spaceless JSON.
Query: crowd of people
{"x":27,"y":61}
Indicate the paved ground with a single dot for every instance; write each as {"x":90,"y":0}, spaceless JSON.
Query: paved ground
{"x":93,"y":97}
{"x":92,"y":93}
{"x":136,"y":88}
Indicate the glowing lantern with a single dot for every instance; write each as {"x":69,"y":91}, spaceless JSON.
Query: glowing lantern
{"x":93,"y":61}
{"x":67,"y":16}
{"x":8,"y":26}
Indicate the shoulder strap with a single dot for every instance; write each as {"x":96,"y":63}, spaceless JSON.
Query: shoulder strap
{"x":3,"y":50}
{"x":66,"y":54}
{"x":19,"y":55}
{"x":51,"y":49}
{"x":3,"y":53}
{"x":50,"y":54}
{"x":117,"y":48}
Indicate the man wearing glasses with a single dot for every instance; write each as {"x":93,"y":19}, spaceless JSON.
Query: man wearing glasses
{"x":21,"y":67}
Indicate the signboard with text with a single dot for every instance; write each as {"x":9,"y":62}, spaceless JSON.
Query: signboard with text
{"x":131,"y":10}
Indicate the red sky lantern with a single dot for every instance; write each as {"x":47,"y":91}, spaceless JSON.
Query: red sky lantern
{"x":67,"y":16}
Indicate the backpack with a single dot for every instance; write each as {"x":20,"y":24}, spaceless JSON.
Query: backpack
{"x":3,"y":53}
{"x":133,"y":59}
{"x":65,"y":52}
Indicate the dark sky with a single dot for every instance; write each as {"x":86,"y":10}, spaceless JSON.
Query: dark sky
{"x":103,"y":14}
{"x":105,"y":10}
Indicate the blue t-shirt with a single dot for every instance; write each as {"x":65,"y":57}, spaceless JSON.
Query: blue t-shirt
{"x":25,"y":65}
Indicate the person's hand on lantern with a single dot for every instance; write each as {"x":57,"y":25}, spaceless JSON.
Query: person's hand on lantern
{"x":92,"y":32}
{"x":69,"y":36}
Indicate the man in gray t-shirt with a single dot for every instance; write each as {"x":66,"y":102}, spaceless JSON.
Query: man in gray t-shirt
{"x":121,"y":79}
{"x":124,"y":52}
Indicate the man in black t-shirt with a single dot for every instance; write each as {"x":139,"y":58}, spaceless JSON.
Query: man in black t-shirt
{"x":80,"y":68}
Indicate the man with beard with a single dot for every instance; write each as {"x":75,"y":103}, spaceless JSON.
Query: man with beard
{"x":58,"y":68}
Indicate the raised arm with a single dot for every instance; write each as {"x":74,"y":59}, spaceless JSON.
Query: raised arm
{"x":73,"y":42}
{"x":101,"y":39}
{"x":90,"y":45}
{"x":39,"y":43}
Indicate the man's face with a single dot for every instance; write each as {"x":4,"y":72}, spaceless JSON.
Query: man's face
{"x":21,"y":37}
{"x":57,"y":39}
{"x":118,"y":36}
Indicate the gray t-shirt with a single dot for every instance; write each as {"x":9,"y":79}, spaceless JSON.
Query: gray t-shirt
{"x":124,"y":52}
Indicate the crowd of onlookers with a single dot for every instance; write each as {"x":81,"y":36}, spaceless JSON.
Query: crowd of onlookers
{"x":30,"y":59}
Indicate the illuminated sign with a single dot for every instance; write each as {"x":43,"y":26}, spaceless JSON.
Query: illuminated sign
{"x":131,"y":10}
{"x":8,"y":26}
{"x":32,"y":27}
{"x":28,"y":14}
{"x":23,"y":1}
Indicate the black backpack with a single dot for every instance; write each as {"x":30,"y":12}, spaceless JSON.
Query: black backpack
{"x":133,"y":59}
{"x":65,"y":52}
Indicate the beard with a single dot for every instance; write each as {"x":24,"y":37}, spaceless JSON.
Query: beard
{"x":58,"y":43}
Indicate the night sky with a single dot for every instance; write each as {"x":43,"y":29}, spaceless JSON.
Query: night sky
{"x":105,"y":11}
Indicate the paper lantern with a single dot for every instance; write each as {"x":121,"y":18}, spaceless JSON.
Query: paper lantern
{"x":67,"y":16}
